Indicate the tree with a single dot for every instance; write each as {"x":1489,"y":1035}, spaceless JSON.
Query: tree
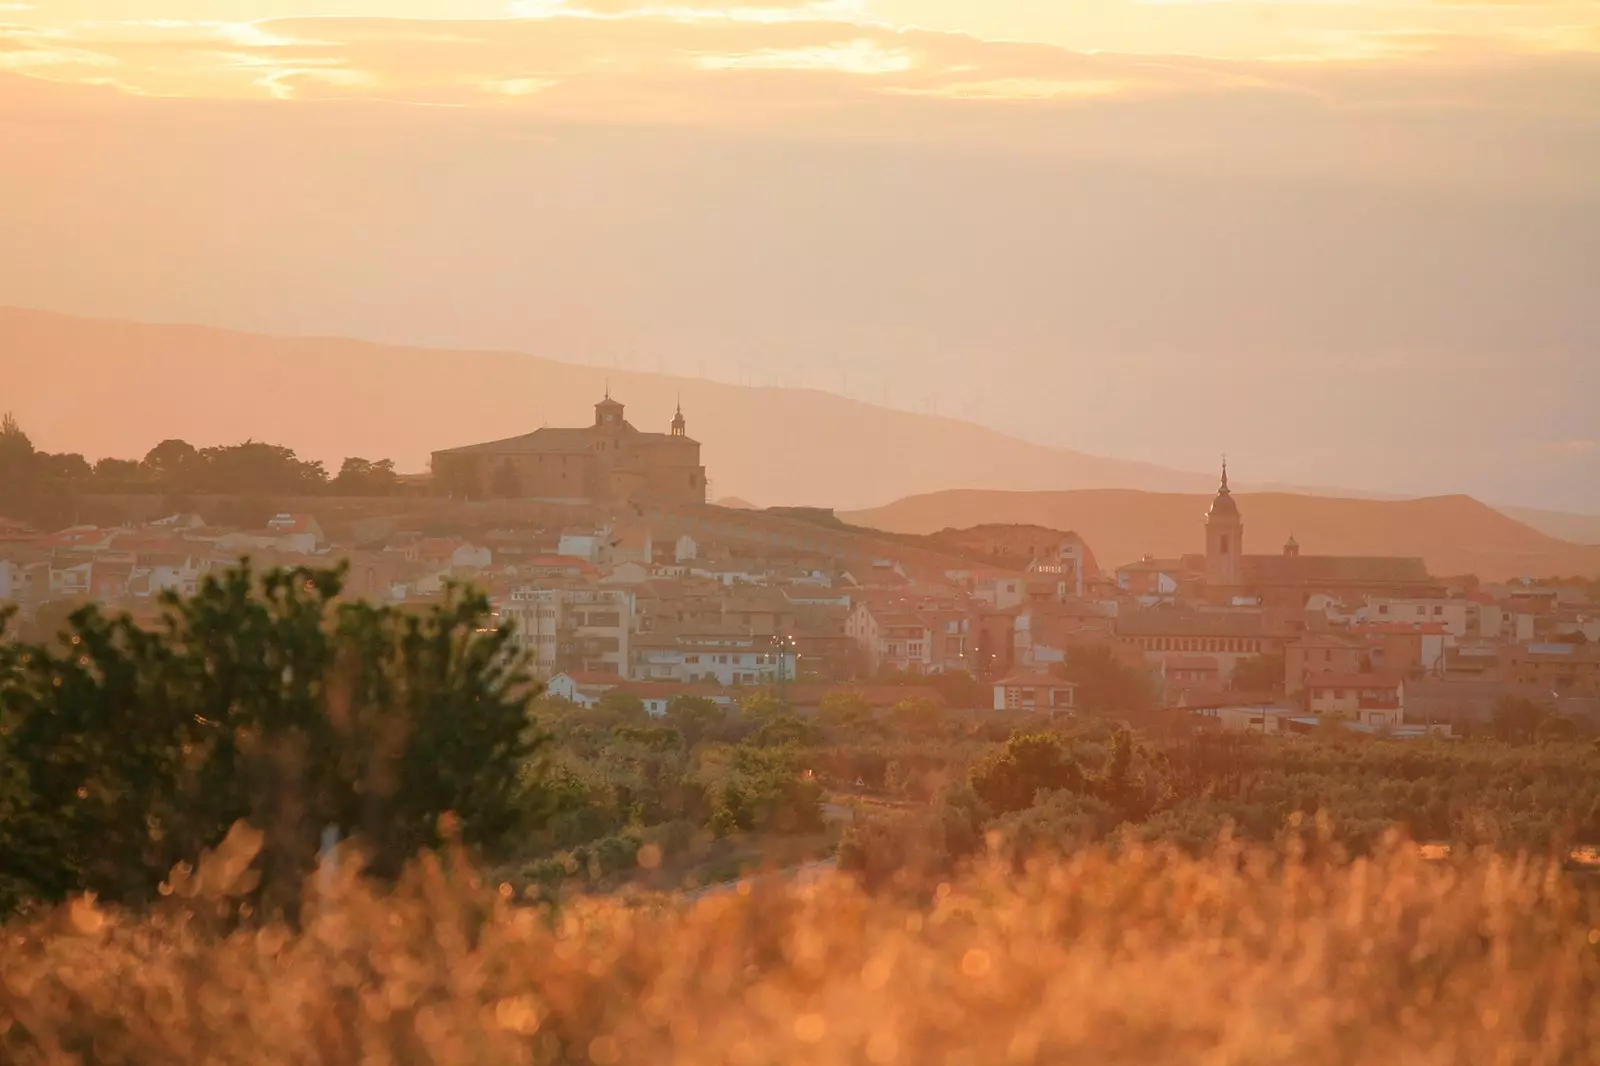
{"x":365,"y":477}
{"x":1030,"y":763}
{"x":265,"y":699}
{"x":917,"y":716}
{"x":67,"y":467}
{"x":1516,"y":720}
{"x":624,"y":705}
{"x":843,"y":710}
{"x":119,"y":475}
{"x":175,"y":465}
{"x":1105,"y":683}
{"x":694,"y":717}
{"x":760,"y":706}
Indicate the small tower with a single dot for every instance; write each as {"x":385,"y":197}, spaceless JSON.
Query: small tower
{"x":1224,"y":537}
{"x":608,"y":412}
{"x":680,"y":428}
{"x":1291,"y":547}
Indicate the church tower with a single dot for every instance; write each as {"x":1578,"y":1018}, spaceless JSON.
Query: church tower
{"x":680,"y":428}
{"x":1224,"y":537}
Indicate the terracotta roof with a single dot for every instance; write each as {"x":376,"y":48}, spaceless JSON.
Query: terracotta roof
{"x":1333,"y":570}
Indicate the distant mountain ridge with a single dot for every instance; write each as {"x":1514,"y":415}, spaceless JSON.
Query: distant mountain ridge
{"x":106,"y":387}
{"x":1452,"y":534}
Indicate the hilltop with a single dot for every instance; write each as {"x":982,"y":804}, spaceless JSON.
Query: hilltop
{"x":118,"y":388}
{"x":1454,"y":534}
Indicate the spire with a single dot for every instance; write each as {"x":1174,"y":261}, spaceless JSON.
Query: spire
{"x":1223,"y":489}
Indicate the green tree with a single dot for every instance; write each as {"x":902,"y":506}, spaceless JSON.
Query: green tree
{"x":917,"y":716}
{"x":175,"y":465}
{"x":1516,"y":720}
{"x":624,"y":705}
{"x":759,"y":706}
{"x":1105,"y":683}
{"x":843,"y":710}
{"x":694,"y":717}
{"x":1030,"y":763}
{"x":265,"y":699}
{"x":365,"y":477}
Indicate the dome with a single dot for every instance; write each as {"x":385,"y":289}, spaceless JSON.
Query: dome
{"x":1223,"y":506}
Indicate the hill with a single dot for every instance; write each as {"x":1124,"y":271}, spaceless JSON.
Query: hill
{"x":117,"y":388}
{"x":1454,"y":534}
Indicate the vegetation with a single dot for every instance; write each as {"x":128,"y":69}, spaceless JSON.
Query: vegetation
{"x":1132,"y":955}
{"x":124,"y":750}
{"x":42,"y":486}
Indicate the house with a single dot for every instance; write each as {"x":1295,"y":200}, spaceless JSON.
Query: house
{"x":686,"y":550}
{"x":572,"y":629}
{"x":582,"y":544}
{"x":1152,"y":580}
{"x":703,"y":655}
{"x":1373,"y":699}
{"x":449,"y":554}
{"x":70,"y":577}
{"x":632,"y":572}
{"x":1453,"y":615}
{"x":1034,"y":692}
{"x":1193,"y":671}
{"x":298,"y":534}
{"x":1321,"y":653}
{"x":22,"y":582}
{"x":579,"y":687}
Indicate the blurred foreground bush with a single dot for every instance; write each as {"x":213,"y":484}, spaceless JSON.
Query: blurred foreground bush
{"x":1138,"y":956}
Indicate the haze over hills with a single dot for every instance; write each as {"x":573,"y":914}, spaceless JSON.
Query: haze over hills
{"x":1453,"y":534}
{"x":117,"y":388}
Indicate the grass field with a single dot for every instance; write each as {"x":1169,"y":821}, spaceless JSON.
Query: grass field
{"x":1131,"y":955}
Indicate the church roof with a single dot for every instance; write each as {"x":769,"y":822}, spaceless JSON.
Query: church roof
{"x":555,"y":440}
{"x":1333,"y":570}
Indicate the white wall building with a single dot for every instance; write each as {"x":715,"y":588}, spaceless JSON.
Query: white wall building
{"x":582,"y":630}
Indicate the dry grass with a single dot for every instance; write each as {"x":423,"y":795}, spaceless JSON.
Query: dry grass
{"x":1140,"y":957}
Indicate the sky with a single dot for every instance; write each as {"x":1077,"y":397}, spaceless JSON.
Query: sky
{"x":1350,"y":242}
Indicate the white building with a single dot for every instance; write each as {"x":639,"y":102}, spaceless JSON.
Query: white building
{"x":724,"y":659}
{"x":582,"y":630}
{"x":1452,"y":614}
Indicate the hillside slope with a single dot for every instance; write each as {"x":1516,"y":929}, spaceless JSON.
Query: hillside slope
{"x":1454,"y":534}
{"x":117,"y":388}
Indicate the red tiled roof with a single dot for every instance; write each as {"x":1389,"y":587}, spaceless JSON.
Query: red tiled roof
{"x":1400,"y":628}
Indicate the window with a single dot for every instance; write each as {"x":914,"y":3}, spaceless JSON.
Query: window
{"x":1383,"y":608}
{"x":1224,"y":544}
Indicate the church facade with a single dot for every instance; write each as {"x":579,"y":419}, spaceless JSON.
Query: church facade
{"x":608,"y":462}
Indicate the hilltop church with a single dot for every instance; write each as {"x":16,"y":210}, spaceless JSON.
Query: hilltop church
{"x":1288,"y":578}
{"x":607,"y":462}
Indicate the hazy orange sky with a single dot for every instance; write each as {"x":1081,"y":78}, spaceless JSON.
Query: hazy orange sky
{"x":1353,"y":241}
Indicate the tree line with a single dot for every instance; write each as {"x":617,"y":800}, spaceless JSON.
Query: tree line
{"x":39,"y":485}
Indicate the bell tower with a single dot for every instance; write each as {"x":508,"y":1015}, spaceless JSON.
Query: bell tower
{"x":680,"y":428}
{"x":1224,"y":537}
